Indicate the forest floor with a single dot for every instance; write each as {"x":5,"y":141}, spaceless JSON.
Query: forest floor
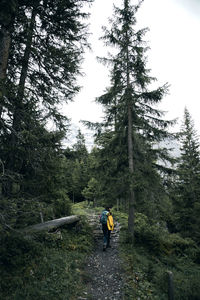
{"x":103,"y":274}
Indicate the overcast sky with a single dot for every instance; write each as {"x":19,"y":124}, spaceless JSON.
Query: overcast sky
{"x":174,"y":57}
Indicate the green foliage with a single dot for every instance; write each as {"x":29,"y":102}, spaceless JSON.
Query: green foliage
{"x":84,"y":208}
{"x":61,"y":204}
{"x":77,"y":169}
{"x":186,"y":187}
{"x":111,"y":168}
{"x":127,"y":156}
{"x":80,"y":208}
{"x":41,"y":189}
{"x":47,"y":41}
{"x":154,"y":253}
{"x":91,"y":191}
{"x":120,"y":216}
{"x":156,"y":238}
{"x":45,"y":266}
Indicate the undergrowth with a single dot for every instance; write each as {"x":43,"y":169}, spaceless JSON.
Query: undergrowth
{"x":44,"y":266}
{"x":156,"y":252}
{"x":49,"y":266}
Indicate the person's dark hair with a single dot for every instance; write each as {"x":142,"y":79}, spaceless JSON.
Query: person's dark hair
{"x":108,"y":207}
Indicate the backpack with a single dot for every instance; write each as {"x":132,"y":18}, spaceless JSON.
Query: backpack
{"x":104,"y":217}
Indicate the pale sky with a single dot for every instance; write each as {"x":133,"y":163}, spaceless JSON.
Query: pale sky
{"x":174,"y":57}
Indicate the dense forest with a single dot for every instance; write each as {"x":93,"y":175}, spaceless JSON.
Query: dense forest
{"x":155,"y":194}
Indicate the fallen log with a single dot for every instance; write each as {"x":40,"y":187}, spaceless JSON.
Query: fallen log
{"x":52,"y":224}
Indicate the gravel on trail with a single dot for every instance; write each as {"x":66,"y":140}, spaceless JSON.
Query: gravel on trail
{"x":103,"y":272}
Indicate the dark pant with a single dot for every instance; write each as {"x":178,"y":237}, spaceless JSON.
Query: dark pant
{"x":106,"y":235}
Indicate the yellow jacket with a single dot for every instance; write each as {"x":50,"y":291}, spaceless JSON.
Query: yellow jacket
{"x":110,"y":222}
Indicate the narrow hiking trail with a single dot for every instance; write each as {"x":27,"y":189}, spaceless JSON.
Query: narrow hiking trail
{"x":103,"y":271}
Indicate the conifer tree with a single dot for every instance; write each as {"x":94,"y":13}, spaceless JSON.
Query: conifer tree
{"x":77,"y":172}
{"x":188,"y":188}
{"x":47,"y":42}
{"x":129,"y":113}
{"x":79,"y":147}
{"x":48,"y":38}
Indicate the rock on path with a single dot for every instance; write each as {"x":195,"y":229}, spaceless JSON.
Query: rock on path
{"x":103,"y":273}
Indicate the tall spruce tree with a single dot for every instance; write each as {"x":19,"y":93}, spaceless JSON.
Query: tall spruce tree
{"x":47,"y":42}
{"x":48,"y":38}
{"x":77,"y":171}
{"x":45,"y":56}
{"x":188,"y":188}
{"x":80,"y":176}
{"x":132,"y":121}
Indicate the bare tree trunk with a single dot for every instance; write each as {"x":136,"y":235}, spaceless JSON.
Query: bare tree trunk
{"x":18,"y":113}
{"x":5,"y":40}
{"x":41,"y":214}
{"x":170,"y":286}
{"x":130,"y":138}
{"x":5,"y":43}
{"x":131,"y":170}
{"x":4,"y":51}
{"x":41,"y":217}
{"x":21,"y":88}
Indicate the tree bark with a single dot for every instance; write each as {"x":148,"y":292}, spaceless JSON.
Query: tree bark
{"x":52,"y":224}
{"x":170,"y":286}
{"x":117,"y":204}
{"x":130,"y":137}
{"x":4,"y":51}
{"x":18,"y":113}
{"x":131,"y":170}
{"x":17,"y":117}
{"x":5,"y":40}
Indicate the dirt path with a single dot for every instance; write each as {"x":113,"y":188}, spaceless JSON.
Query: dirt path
{"x":103,"y":274}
